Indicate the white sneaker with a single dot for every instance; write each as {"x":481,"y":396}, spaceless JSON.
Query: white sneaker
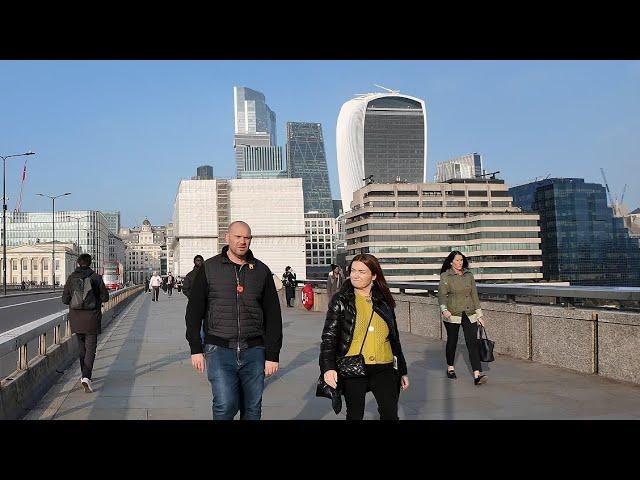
{"x":86,"y":383}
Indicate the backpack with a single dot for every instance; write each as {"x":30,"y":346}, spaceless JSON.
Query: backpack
{"x":82,"y":294}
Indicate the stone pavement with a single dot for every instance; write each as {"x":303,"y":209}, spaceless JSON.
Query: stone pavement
{"x":143,"y":371}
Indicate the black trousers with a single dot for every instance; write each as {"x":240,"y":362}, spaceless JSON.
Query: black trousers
{"x":470,"y":337}
{"x":290,"y":294}
{"x":169,"y":290}
{"x":382,"y":380}
{"x":155,"y":293}
{"x":87,"y":343}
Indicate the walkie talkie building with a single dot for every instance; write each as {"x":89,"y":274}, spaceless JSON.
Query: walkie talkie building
{"x":383,"y":135}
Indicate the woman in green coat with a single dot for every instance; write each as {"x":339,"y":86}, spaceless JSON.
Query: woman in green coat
{"x":459,"y":305}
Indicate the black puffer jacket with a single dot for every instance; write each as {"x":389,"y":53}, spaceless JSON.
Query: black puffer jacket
{"x":341,"y":322}
{"x":234,"y":319}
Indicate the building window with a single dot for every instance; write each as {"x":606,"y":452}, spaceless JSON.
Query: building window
{"x":45,"y":265}
{"x":24,"y":265}
{"x":15,"y":265}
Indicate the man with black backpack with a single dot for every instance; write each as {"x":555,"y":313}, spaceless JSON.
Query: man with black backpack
{"x":85,"y":292}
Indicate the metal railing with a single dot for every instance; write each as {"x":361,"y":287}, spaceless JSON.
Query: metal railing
{"x":17,"y":339}
{"x":561,"y":295}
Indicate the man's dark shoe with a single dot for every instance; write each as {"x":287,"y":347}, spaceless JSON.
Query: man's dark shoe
{"x":451,"y":374}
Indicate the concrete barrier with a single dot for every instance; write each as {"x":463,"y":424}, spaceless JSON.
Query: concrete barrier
{"x":26,"y":386}
{"x":619,"y":346}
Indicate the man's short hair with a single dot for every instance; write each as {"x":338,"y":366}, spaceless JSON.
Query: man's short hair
{"x":198,"y":257}
{"x":84,"y":260}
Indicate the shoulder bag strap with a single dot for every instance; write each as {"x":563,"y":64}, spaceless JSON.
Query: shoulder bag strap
{"x":367,"y":330}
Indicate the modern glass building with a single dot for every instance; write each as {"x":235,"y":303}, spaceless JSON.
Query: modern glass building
{"x":113,"y":221}
{"x":88,"y":228}
{"x":306,"y":159}
{"x":582,"y":242}
{"x":204,"y":172}
{"x":381,"y":136}
{"x":255,"y":126}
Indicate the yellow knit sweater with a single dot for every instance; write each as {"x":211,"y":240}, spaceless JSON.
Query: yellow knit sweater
{"x":377,"y":348}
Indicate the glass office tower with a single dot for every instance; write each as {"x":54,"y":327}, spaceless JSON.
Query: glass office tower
{"x":582,"y":242}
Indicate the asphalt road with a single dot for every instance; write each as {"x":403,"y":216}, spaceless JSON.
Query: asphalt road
{"x":18,"y":310}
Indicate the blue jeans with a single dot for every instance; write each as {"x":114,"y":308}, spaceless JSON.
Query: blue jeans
{"x":237,"y":381}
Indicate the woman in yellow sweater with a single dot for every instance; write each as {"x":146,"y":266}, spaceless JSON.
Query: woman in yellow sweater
{"x":361,"y":320}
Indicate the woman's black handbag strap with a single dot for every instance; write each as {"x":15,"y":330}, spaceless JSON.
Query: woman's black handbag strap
{"x":480,"y":330}
{"x":367,"y":331}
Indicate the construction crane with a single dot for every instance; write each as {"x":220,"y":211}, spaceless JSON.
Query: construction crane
{"x":492,"y":174}
{"x":624,"y":190}
{"x":606,"y":184}
{"x":22,"y":179}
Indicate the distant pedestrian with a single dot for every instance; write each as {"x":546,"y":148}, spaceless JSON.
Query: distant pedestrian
{"x":460,"y":305}
{"x":155,"y":282}
{"x":23,"y":285}
{"x":146,"y":284}
{"x":198,"y":260}
{"x":170,"y":283}
{"x":289,"y":282}
{"x":85,"y":292}
{"x":335,"y":280}
{"x":236,"y":294}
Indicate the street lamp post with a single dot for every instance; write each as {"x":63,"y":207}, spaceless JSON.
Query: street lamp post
{"x":77,"y":219}
{"x":53,"y":224}
{"x":4,"y":214}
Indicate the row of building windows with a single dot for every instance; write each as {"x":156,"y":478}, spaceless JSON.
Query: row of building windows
{"x":437,"y":193}
{"x":444,"y":248}
{"x":478,"y":259}
{"x":450,"y":203}
{"x":34,"y":266}
{"x":475,"y":271}
{"x":443,"y":226}
{"x":441,"y":237}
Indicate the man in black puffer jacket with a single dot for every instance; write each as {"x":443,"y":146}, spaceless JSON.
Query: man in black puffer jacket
{"x":235,"y":295}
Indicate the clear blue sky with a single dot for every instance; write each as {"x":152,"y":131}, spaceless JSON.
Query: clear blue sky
{"x":121,"y":134}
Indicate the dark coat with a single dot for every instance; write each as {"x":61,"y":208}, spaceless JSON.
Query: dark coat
{"x":340,"y":324}
{"x":86,"y":321}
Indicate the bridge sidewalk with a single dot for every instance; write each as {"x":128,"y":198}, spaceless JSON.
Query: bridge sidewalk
{"x":143,"y":371}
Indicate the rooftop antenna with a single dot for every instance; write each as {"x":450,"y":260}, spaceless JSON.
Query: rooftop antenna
{"x":387,"y":89}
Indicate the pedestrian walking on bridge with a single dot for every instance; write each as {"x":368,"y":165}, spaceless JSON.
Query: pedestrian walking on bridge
{"x":460,"y":305}
{"x":85,"y":292}
{"x":155,"y":282}
{"x":234,"y":292}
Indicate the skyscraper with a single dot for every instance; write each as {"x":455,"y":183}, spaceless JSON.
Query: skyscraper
{"x":582,"y":242}
{"x":382,"y":136}
{"x":255,"y":126}
{"x":306,"y":159}
{"x":466,"y":166}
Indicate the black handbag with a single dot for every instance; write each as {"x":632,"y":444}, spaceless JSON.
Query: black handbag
{"x":486,"y":346}
{"x":353,"y":365}
{"x":323,"y":389}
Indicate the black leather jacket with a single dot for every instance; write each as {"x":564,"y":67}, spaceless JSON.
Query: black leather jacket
{"x":340,"y":324}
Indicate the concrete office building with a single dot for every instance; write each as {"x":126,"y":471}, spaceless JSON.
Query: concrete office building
{"x":412,"y":228}
{"x":382,"y":136}
{"x":466,"y":166}
{"x":203,"y":210}
{"x":321,"y":245}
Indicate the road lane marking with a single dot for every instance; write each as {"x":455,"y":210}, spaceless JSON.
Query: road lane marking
{"x":33,"y":301}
